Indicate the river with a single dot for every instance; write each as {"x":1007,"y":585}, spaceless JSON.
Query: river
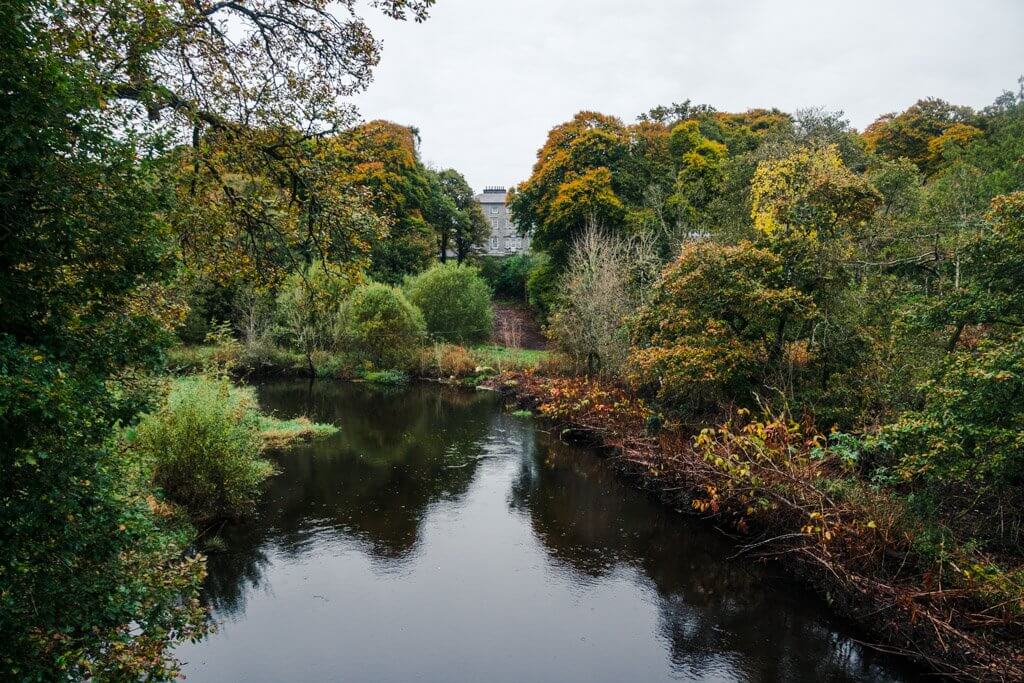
{"x":438,"y":537}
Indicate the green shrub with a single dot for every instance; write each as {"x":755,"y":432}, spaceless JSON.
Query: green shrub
{"x":204,"y":446}
{"x":279,"y":434}
{"x":455,"y":301}
{"x":541,"y":284}
{"x":242,"y":359}
{"x":717,"y":324}
{"x":265,"y":356}
{"x":382,"y":326}
{"x":964,"y":449}
{"x":190,"y":359}
{"x":307,"y":309}
{"x":506,"y":275}
{"x":335,"y":365}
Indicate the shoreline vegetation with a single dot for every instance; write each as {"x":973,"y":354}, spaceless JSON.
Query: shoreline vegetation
{"x":782,"y":490}
{"x":784,"y":493}
{"x":464,"y":365}
{"x":812,"y":334}
{"x":203,"y":445}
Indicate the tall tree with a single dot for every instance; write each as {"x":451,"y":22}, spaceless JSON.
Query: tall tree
{"x":457,"y":218}
{"x":381,"y":163}
{"x":94,"y":585}
{"x":265,"y":79}
{"x":912,"y":134}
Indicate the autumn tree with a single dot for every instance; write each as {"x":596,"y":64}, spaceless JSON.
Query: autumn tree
{"x":265,"y":80}
{"x":717,"y":325}
{"x":658,"y":176}
{"x":379,"y":161}
{"x":912,"y":134}
{"x":572,"y":185}
{"x":117,"y":116}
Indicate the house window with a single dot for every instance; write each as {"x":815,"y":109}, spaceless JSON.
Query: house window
{"x":494,"y":210}
{"x":494,"y":243}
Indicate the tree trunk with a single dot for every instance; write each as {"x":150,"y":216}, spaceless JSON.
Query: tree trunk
{"x":955,"y":339}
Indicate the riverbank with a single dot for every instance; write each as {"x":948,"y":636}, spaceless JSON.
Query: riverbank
{"x":787,"y":495}
{"x":440,"y":507}
{"x":467,"y":365}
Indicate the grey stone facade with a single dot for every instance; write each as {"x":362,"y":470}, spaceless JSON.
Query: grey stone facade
{"x":504,"y":239}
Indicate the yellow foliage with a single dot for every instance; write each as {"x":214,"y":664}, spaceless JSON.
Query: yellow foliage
{"x":811,"y":190}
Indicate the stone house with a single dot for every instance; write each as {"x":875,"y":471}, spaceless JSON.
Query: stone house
{"x":504,"y":240}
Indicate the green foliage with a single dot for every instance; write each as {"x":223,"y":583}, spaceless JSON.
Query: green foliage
{"x":308,"y":308}
{"x":506,"y":275}
{"x":987,"y":280}
{"x":457,"y":218}
{"x":999,"y":151}
{"x":97,"y":207}
{"x":542,"y":284}
{"x":243,"y":359}
{"x":505,"y":359}
{"x":455,"y":301}
{"x":386,"y":377}
{"x":93,"y":584}
{"x":204,"y":445}
{"x":280,"y":434}
{"x":380,"y":325}
{"x":968,"y":438}
{"x":720,"y":321}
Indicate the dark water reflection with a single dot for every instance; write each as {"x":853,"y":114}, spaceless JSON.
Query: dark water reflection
{"x":436,"y":538}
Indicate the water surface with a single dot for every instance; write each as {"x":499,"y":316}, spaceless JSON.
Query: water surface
{"x":438,"y":538}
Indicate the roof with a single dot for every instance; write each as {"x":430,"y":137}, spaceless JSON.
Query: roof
{"x":492,"y":195}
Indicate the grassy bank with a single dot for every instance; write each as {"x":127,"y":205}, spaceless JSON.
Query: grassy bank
{"x":794,"y":495}
{"x":466,"y":364}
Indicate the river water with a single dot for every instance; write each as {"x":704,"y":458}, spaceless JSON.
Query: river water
{"x":437,"y":537}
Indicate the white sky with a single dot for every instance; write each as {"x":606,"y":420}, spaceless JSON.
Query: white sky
{"x":484,"y":80}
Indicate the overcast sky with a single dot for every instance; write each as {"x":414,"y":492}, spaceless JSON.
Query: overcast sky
{"x":484,"y":80}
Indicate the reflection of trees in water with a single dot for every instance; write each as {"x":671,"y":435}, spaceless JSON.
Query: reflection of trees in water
{"x":397,"y":452}
{"x":714,"y":612}
{"x":231,"y":573}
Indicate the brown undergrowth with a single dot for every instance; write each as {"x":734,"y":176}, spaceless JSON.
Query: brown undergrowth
{"x":789,"y":497}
